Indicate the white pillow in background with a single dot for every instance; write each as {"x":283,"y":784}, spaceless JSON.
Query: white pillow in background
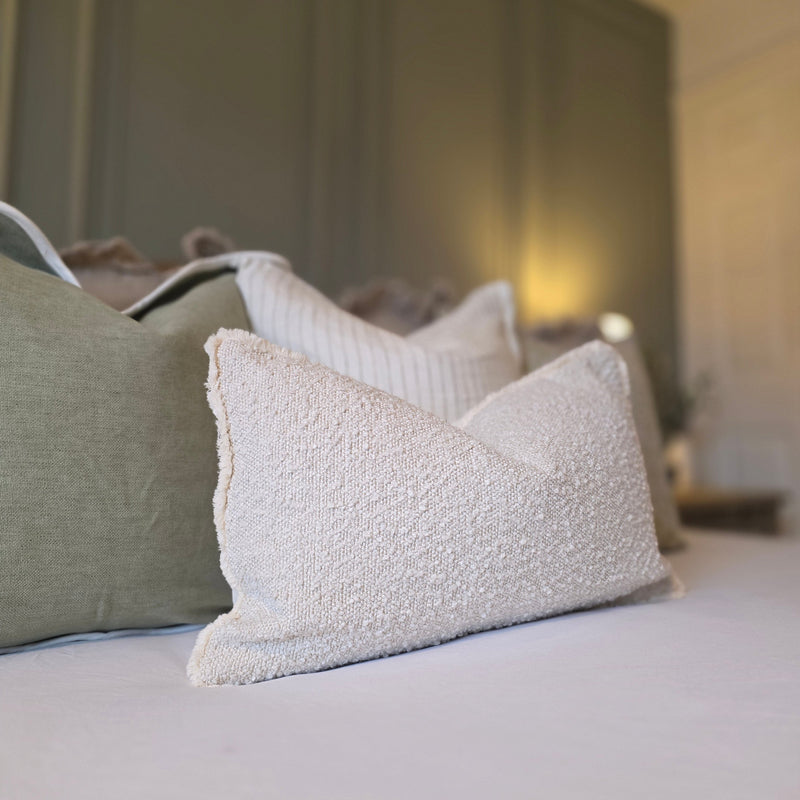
{"x":356,"y":525}
{"x":445,"y":368}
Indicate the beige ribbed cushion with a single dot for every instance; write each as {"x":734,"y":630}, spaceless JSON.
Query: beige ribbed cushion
{"x":354,"y":525}
{"x":445,"y":369}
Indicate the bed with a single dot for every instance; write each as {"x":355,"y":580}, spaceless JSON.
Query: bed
{"x":698,"y":697}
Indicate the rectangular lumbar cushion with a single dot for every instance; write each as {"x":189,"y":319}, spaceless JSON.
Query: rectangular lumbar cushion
{"x":446,"y":368}
{"x":353,"y":524}
{"x":107,"y":456}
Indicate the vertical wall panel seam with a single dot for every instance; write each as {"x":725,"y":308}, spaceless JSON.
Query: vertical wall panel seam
{"x":8,"y":53}
{"x":385,"y":215}
{"x":361,"y":141}
{"x":370,"y":105}
{"x":319,"y":222}
{"x":118,"y":26}
{"x":511,"y":217}
{"x":311,"y":136}
{"x":81,"y":122}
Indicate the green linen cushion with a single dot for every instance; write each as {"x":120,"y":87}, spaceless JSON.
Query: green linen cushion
{"x":107,"y":457}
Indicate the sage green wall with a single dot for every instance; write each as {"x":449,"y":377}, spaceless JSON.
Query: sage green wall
{"x":468,"y":139}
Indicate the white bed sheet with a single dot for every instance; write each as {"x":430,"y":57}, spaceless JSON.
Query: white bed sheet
{"x":691,"y":698}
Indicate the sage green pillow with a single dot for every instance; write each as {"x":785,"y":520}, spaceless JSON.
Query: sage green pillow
{"x":107,"y":457}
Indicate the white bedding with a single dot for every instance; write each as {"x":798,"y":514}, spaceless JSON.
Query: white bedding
{"x":692,"y":698}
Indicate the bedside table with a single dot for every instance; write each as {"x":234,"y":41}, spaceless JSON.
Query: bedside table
{"x":730,"y":509}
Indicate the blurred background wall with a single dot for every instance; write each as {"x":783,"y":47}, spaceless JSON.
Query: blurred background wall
{"x":736,"y":100}
{"x":467,"y":139}
{"x":462,"y":139}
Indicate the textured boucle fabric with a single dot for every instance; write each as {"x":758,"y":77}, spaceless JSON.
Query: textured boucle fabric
{"x":354,"y":525}
{"x":538,"y":352}
{"x":445,"y":368}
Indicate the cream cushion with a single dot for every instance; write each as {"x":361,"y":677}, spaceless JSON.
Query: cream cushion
{"x":446,"y":370}
{"x":668,"y":528}
{"x":353,"y":524}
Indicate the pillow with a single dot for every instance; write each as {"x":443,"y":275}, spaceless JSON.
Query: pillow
{"x":114,"y":271}
{"x":23,"y":243}
{"x":539,"y":352}
{"x":120,"y":287}
{"x":353,"y":524}
{"x":395,"y":306}
{"x":107,"y":457}
{"x":466,"y":355}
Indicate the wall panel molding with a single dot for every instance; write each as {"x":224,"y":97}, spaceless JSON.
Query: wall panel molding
{"x":332,"y":125}
{"x":107,"y":157}
{"x":83,"y":82}
{"x":373,"y":121}
{"x":364,"y":138}
{"x":348,"y":122}
{"x":8,"y":46}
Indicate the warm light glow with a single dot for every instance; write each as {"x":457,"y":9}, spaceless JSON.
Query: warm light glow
{"x":566,"y":288}
{"x":615,"y":327}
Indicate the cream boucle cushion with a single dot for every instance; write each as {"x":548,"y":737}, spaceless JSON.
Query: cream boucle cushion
{"x":466,"y":355}
{"x":354,"y":525}
{"x":668,"y":532}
